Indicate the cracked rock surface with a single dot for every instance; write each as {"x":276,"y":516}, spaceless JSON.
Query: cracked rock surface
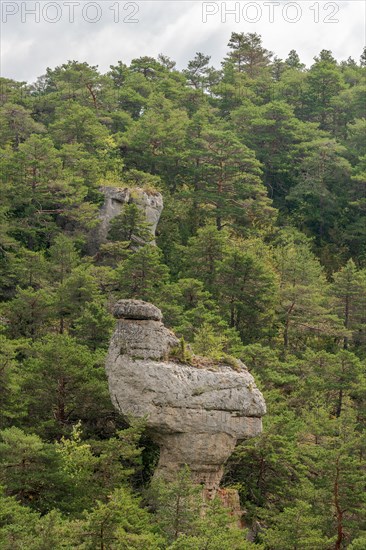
{"x":196,"y":415}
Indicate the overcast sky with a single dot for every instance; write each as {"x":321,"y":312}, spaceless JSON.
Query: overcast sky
{"x":104,"y":31}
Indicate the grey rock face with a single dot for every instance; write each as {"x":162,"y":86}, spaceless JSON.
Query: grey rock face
{"x":136,"y":309}
{"x":196,"y":415}
{"x":115,"y":198}
{"x":151,"y":204}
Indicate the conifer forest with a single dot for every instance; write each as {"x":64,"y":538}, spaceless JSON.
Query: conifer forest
{"x":259,"y":255}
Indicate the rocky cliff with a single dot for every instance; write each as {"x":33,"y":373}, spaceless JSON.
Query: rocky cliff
{"x":196,"y":415}
{"x":115,"y":197}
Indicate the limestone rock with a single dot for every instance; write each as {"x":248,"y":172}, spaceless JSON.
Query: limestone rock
{"x":140,"y":335}
{"x":151,"y":204}
{"x":115,"y":197}
{"x":196,"y":415}
{"x":136,"y":309}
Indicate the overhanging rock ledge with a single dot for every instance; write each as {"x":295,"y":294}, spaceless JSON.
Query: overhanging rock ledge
{"x":195,"y":415}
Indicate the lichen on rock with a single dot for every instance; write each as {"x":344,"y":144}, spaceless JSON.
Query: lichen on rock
{"x":196,"y":415}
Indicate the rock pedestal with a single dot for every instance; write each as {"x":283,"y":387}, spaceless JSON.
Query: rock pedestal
{"x":196,"y":415}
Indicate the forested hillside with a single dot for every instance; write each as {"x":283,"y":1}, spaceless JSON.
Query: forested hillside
{"x":261,"y":255}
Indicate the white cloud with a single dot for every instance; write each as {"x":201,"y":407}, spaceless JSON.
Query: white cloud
{"x":173,"y":28}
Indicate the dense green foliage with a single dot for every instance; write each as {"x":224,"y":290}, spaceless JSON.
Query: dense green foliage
{"x":261,"y":255}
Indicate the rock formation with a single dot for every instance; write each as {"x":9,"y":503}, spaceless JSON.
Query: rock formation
{"x":115,"y":197}
{"x":196,"y":415}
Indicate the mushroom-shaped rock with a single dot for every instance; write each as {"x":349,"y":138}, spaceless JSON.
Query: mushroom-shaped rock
{"x":196,"y":415}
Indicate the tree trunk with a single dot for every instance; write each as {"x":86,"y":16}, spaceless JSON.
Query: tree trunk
{"x":61,"y":397}
{"x":340,"y":402}
{"x":339,"y":511}
{"x":218,"y":221}
{"x":346,"y":321}
{"x":62,"y":326}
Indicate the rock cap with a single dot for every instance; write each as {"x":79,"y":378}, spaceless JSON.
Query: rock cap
{"x":137,"y":310}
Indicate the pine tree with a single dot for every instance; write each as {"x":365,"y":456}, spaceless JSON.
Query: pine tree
{"x":296,"y":527}
{"x":304,"y":307}
{"x":228,"y":182}
{"x":293,"y":61}
{"x":119,"y":523}
{"x":30,"y":468}
{"x":63,"y":382}
{"x":130,"y":226}
{"x":349,"y":289}
{"x":247,"y":53}
{"x":142,"y":274}
{"x":246,"y":292}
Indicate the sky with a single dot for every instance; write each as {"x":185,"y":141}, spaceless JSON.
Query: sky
{"x":46,"y":33}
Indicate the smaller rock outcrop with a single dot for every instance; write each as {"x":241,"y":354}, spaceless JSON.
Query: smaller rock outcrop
{"x":115,"y":197}
{"x":196,"y":415}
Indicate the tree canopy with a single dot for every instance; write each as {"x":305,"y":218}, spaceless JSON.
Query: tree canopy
{"x":260,"y":254}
